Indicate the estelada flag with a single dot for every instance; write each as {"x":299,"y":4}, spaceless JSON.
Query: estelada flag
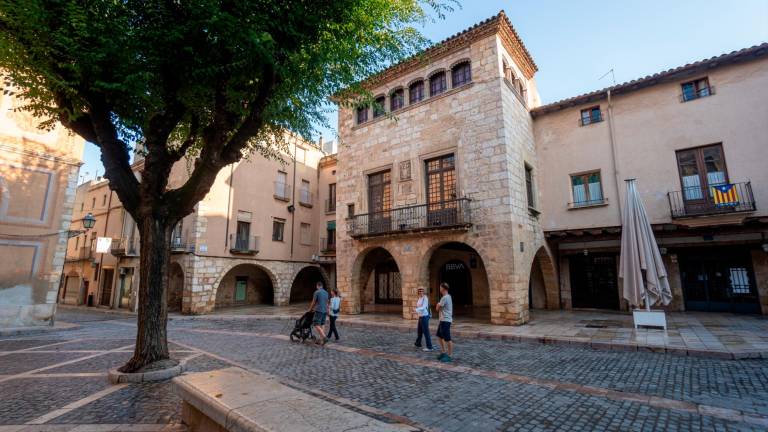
{"x":725,"y":195}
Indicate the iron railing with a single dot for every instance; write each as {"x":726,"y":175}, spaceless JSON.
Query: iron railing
{"x":700,"y":201}
{"x":81,"y":253}
{"x":326,"y":246}
{"x":696,"y":94}
{"x":243,"y":245}
{"x":282,"y":191}
{"x":305,"y":198}
{"x":587,"y":203}
{"x":330,"y":206}
{"x":180,"y":243}
{"x":125,"y":247}
{"x":449,"y":214}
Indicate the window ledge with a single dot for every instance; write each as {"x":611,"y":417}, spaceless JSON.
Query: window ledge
{"x":572,"y":206}
{"x":515,"y":92}
{"x":415,"y":105}
{"x":590,"y":123}
{"x":307,"y":205}
{"x":281,"y":198}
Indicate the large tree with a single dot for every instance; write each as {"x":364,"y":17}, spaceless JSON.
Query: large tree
{"x":205,"y":80}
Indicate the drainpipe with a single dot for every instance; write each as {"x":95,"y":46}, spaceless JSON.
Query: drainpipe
{"x":229,"y":204}
{"x":293,"y":197}
{"x":614,"y":154}
{"x":101,"y":258}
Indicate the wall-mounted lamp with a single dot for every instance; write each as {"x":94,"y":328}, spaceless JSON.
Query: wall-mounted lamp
{"x":89,"y":221}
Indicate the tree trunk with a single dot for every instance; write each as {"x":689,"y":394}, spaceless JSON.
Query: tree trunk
{"x":155,"y":256}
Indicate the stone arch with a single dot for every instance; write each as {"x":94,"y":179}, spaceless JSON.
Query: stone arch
{"x":175,"y":292}
{"x":461,"y":264}
{"x":259,"y":285}
{"x":542,"y":281}
{"x":376,"y":282}
{"x":303,"y":283}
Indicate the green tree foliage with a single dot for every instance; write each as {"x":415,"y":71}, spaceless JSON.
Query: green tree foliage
{"x":206,"y":80}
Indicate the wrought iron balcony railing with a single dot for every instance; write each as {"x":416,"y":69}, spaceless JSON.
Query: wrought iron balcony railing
{"x":712,"y":200}
{"x":282,"y":191}
{"x":305,"y":198}
{"x":450,"y":214}
{"x":330,"y":206}
{"x":327,"y":246}
{"x":81,"y":253}
{"x":243,"y":245}
{"x":125,"y":247}
{"x":180,"y":243}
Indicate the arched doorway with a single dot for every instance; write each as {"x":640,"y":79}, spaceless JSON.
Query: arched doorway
{"x":542,"y":283}
{"x":380,"y":283}
{"x":245,"y":284}
{"x":303,"y":286}
{"x":175,"y":292}
{"x":461,"y":267}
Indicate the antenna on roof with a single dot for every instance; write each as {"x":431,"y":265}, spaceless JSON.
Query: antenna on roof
{"x":613,"y":77}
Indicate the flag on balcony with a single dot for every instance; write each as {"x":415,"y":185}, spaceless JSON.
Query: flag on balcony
{"x":725,"y":195}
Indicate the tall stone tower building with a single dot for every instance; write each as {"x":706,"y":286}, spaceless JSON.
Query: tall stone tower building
{"x":438,"y":181}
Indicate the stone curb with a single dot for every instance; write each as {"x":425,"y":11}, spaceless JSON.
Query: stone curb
{"x":23,"y":331}
{"x":117,"y":377}
{"x":547,"y":340}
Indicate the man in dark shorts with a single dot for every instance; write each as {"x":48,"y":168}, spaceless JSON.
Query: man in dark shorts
{"x":445,"y":308}
{"x":319,"y":306}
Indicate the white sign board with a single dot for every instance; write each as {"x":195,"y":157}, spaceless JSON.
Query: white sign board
{"x":103,"y":244}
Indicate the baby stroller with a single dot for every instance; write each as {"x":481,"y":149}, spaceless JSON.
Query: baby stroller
{"x":302,"y":330}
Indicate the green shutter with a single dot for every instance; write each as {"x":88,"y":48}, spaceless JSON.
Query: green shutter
{"x":332,"y":225}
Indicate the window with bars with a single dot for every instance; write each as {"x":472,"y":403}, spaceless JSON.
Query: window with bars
{"x":591,"y":115}
{"x":587,"y":189}
{"x":437,"y":84}
{"x":397,"y":100}
{"x":461,"y":74}
{"x":696,"y":89}
{"x":416,"y":92}
{"x":378,"y":106}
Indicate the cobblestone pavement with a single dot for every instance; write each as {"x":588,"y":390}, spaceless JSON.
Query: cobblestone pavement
{"x":57,"y":381}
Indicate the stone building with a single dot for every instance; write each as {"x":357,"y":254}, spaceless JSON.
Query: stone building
{"x":38,"y":176}
{"x":260,"y":236}
{"x":682,"y":134}
{"x":517,"y":205}
{"x":441,"y":194}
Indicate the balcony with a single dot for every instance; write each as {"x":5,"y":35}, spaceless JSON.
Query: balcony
{"x":125,"y":247}
{"x":282,"y":191}
{"x":444,"y":215}
{"x":305,"y":198}
{"x":697,"y":201}
{"x":80,"y":254}
{"x":330,"y":206}
{"x":327,"y":247}
{"x":179,"y":244}
{"x":243,"y":245}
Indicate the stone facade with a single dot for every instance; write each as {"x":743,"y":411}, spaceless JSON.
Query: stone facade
{"x":485,"y":125}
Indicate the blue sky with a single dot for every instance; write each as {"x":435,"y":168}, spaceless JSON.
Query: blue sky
{"x":574,"y":43}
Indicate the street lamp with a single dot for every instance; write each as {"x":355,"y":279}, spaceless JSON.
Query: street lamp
{"x":89,"y":221}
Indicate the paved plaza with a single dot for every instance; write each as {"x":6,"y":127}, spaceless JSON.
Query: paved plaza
{"x":57,"y":381}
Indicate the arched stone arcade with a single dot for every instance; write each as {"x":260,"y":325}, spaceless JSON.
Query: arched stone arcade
{"x":245,"y":284}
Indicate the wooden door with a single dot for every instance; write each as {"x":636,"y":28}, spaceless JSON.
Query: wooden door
{"x":380,"y":202}
{"x":441,"y":191}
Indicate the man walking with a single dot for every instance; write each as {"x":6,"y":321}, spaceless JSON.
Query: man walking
{"x":445,"y":307}
{"x":319,"y":306}
{"x":422,"y":328}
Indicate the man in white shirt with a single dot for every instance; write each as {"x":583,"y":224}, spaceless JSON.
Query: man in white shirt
{"x":422,"y":328}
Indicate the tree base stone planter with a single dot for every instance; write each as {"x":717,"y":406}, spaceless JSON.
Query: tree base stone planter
{"x":117,"y":377}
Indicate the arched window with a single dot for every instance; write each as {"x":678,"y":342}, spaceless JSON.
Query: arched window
{"x":437,"y":84}
{"x":416,"y":92}
{"x":378,"y":106}
{"x":396,"y":100}
{"x":461,"y":74}
{"x":362,"y":114}
{"x":508,"y":73}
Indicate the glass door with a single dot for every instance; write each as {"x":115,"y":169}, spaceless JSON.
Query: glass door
{"x":700,"y":169}
{"x":441,"y":191}
{"x":379,"y":202}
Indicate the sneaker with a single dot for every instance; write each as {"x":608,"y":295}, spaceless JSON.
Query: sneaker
{"x":446,"y":359}
{"x":417,"y":345}
{"x":325,"y":341}
{"x":427,"y":349}
{"x":441,"y":356}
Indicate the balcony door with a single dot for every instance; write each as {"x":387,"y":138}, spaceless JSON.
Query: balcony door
{"x":442,"y":207}
{"x":701,"y":168}
{"x":380,"y":202}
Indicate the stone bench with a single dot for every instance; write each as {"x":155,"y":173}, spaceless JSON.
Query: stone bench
{"x":234,"y":399}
